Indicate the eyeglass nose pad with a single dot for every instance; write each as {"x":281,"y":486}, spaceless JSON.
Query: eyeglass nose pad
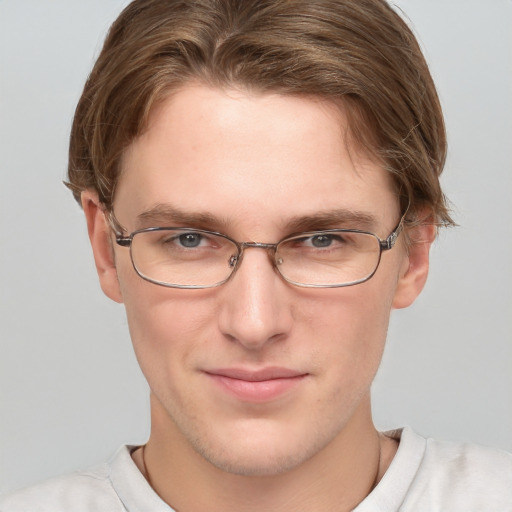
{"x":233,"y":261}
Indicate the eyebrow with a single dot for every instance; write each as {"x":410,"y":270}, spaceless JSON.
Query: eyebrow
{"x":333,"y":219}
{"x":166,"y":215}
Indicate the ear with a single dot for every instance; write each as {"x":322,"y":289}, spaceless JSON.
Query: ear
{"x":414,"y":272}
{"x":100,"y":237}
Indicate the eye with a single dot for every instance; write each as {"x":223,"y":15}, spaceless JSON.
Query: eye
{"x":322,"y":240}
{"x":190,"y":240}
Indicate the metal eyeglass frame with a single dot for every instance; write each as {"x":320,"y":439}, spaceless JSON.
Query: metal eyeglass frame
{"x":235,"y":261}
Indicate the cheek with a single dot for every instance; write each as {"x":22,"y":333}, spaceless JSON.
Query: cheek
{"x":347,"y":331}
{"x":351,"y":315}
{"x":165,"y":324}
{"x":170,"y":321}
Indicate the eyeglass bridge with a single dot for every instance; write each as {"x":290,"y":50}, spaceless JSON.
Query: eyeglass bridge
{"x":257,"y":245}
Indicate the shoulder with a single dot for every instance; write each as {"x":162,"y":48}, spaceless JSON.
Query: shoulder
{"x":461,"y":477}
{"x":472,"y":460}
{"x":82,"y":491}
{"x":427,"y":475}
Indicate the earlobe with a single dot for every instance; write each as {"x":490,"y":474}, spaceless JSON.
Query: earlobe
{"x":99,"y":236}
{"x":414,"y":273}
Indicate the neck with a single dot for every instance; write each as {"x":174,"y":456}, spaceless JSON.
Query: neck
{"x":338,"y":477}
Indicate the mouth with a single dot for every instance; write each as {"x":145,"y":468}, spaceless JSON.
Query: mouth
{"x":257,"y":386}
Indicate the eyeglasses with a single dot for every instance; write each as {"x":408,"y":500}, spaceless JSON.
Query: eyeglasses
{"x":180,"y":257}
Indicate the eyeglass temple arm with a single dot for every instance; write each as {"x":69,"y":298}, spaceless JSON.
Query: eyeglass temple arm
{"x":390,"y":241}
{"x":123,"y":241}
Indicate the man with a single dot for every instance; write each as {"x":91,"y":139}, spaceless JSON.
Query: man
{"x":260,"y":183}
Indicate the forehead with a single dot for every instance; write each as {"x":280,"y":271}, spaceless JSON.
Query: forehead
{"x":249,"y":158}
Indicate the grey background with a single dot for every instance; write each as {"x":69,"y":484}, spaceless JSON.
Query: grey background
{"x":70,"y":388}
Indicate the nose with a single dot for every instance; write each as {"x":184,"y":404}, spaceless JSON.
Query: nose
{"x":256,"y":305}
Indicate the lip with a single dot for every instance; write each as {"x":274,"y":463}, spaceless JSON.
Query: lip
{"x":257,"y":386}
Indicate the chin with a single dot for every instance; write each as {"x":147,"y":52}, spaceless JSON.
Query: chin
{"x":259,"y":452}
{"x":261,"y":464}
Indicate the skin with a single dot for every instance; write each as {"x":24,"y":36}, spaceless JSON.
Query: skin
{"x":246,"y":161}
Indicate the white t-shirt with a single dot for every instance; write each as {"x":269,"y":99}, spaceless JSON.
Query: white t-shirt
{"x":424,"y":476}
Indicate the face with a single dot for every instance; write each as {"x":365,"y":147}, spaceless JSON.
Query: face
{"x":257,"y":375}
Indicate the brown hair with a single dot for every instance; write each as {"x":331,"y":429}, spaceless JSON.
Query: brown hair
{"x":359,"y":54}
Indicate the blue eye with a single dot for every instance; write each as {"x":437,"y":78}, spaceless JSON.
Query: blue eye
{"x":321,"y":240}
{"x":190,"y":240}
